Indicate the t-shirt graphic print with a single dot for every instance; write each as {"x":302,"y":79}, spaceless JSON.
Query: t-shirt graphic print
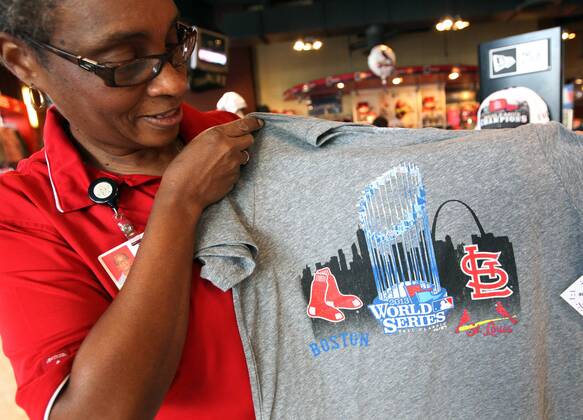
{"x":402,"y":274}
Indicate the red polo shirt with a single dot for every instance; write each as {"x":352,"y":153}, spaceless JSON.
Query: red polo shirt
{"x":53,"y":288}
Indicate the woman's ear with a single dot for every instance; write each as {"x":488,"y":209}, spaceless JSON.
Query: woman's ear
{"x":18,"y":58}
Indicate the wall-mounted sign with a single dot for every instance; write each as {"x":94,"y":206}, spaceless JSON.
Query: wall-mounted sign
{"x":209,"y":63}
{"x":211,"y":52}
{"x":528,"y":57}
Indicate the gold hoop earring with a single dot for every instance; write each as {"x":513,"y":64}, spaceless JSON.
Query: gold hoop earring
{"x":37,"y":98}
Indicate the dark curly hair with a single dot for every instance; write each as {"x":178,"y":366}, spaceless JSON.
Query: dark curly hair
{"x":28,"y":19}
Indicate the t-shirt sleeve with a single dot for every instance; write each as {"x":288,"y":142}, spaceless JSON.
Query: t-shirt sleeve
{"x":49,"y":300}
{"x":564,"y":151}
{"x":225,"y":245}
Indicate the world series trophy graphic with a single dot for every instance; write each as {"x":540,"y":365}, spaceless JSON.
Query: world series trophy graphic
{"x":393,"y":216}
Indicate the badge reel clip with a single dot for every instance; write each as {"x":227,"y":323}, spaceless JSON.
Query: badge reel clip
{"x":106,"y":191}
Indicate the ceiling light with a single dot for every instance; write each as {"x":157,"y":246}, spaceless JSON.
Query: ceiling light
{"x":460,"y":24}
{"x":397,"y":80}
{"x":307,"y":44}
{"x":299,"y":45}
{"x":578,"y":81}
{"x":449,"y":24}
{"x":455,"y":74}
{"x":566,"y":35}
{"x":340,"y":85}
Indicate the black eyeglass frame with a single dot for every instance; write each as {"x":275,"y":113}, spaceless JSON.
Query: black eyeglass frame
{"x":106,"y":71}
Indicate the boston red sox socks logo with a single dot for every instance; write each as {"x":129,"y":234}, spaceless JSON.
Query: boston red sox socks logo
{"x":326,"y":300}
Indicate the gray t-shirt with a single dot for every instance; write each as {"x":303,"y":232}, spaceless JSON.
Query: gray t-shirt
{"x":393,"y":273}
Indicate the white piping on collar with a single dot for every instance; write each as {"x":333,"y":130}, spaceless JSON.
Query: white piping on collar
{"x":57,"y":202}
{"x":54,"y":398}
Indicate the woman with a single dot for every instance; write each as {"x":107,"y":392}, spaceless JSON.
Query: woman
{"x":166,"y":344}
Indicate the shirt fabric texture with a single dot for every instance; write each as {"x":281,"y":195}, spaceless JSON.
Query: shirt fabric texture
{"x":53,"y":289}
{"x":484,"y":334}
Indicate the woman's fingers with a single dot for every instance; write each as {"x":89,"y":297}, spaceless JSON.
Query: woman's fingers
{"x":243,"y":142}
{"x":242,"y":127}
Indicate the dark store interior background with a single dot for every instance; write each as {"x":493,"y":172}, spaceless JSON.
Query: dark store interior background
{"x":263,"y":64}
{"x":264,"y":68}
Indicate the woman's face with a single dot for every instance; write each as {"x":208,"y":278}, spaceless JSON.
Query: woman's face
{"x":112,"y":31}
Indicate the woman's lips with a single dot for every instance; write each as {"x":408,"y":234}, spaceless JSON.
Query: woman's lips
{"x":166,"y":119}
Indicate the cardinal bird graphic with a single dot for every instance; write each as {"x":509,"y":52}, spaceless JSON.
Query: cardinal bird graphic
{"x":463,"y":320}
{"x":503,"y":312}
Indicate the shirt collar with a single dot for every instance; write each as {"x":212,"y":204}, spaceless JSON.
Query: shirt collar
{"x":70,"y":176}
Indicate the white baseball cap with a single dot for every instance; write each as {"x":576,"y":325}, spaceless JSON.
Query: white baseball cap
{"x":231,"y":102}
{"x":509,"y":108}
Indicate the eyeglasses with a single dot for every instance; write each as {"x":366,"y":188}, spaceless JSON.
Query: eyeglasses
{"x":138,"y":71}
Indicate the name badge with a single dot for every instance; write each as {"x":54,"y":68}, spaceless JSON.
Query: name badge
{"x":118,"y":260}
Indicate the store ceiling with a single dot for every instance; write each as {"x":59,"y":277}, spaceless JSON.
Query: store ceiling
{"x":273,"y":20}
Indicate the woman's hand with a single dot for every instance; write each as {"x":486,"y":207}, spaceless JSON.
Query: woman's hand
{"x":209,"y":166}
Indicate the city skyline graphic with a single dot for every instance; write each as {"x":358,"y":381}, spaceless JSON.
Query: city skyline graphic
{"x":353,"y":271}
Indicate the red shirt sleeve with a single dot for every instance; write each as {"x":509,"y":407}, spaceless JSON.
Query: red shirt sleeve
{"x":195,"y":122}
{"x":49,"y":302}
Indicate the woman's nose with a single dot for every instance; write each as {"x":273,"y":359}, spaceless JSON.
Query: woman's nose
{"x":170,"y":82}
